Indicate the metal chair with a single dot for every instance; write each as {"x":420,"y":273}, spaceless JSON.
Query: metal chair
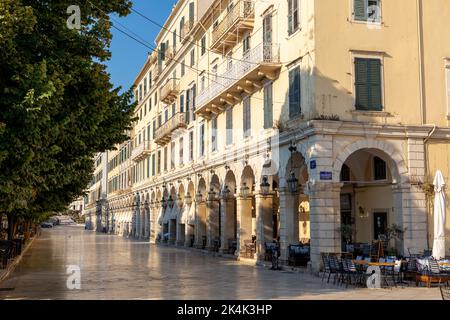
{"x":445,"y":291}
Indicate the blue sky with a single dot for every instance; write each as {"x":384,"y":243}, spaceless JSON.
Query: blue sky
{"x":128,"y":56}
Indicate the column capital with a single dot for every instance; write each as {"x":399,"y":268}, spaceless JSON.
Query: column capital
{"x":264,"y":196}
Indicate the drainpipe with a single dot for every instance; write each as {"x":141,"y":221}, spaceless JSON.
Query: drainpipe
{"x":422,"y":101}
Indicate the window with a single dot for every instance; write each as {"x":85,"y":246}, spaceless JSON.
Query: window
{"x":159,"y":120}
{"x":182,"y":103}
{"x":294,"y":92}
{"x":153,"y":165}
{"x":367,"y":10}
{"x":203,"y":45}
{"x":154,"y":128}
{"x":140,"y":92}
{"x":268,"y":106}
{"x":150,"y":105}
{"x":182,"y":28}
{"x":174,"y":109}
{"x":246,"y":45}
{"x":145,"y":87}
{"x":181,"y":155}
{"x":447,"y":74}
{"x":145,"y":109}
{"x":140,"y":114}
{"x":156,"y":98}
{"x":183,"y":68}
{"x":247,"y":122}
{"x":214,"y":134}
{"x":202,"y":139}
{"x":202,"y":84}
{"x":165,"y":159}
{"x":192,"y":57}
{"x":214,"y":72}
{"x":191,"y":146}
{"x":148,"y":167}
{"x":379,"y":169}
{"x":148,"y":133}
{"x":368,"y":84}
{"x":174,"y":41}
{"x":172,"y":155}
{"x":293,"y":16}
{"x":158,"y":171}
{"x":229,"y":125}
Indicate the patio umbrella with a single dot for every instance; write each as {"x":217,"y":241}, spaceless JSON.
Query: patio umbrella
{"x":439,"y":216}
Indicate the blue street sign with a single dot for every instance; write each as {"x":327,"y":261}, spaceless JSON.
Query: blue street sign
{"x":326,"y":175}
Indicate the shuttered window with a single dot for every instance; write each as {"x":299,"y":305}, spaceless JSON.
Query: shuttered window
{"x":229,"y":125}
{"x":294,"y":92}
{"x":181,"y":146}
{"x":214,"y":134}
{"x":202,"y":139}
{"x":268,"y":106}
{"x":368,"y":84}
{"x":293,"y":16}
{"x":172,"y":155}
{"x":153,"y":165}
{"x":247,"y":124}
{"x":165,"y":158}
{"x":182,"y":103}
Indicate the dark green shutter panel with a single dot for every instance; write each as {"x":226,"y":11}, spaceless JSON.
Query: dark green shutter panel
{"x":359,"y":7}
{"x":294,"y":92}
{"x":374,"y":81}
{"x":268,"y":107}
{"x":290,"y":16}
{"x":362,"y":92}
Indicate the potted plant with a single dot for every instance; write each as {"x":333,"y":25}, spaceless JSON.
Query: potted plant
{"x":394,"y":232}
{"x":347,"y":231}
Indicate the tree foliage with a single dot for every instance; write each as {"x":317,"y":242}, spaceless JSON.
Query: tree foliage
{"x":58,"y":107}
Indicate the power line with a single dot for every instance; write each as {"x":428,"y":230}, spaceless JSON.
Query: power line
{"x":198,"y":71}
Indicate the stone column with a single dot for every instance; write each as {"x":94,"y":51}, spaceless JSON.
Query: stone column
{"x":244,"y":222}
{"x":212,"y":213}
{"x":188,"y":229}
{"x":264,"y":223}
{"x":228,"y":223}
{"x":200,"y":224}
{"x":411,"y":214}
{"x":147,"y":220}
{"x":153,"y":223}
{"x":289,"y":227}
{"x":324,"y":200}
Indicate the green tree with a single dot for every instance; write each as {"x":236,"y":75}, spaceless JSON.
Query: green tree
{"x":58,"y":107}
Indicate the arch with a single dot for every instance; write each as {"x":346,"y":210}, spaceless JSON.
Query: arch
{"x":297,"y":164}
{"x":201,"y":188}
{"x":382,"y":149}
{"x":230,"y":182}
{"x":248,"y":177}
{"x":191,"y":188}
{"x":181,"y":192}
{"x":215,"y":184}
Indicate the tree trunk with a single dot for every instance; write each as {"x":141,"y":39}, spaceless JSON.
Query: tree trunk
{"x":26,"y":230}
{"x":12,"y":225}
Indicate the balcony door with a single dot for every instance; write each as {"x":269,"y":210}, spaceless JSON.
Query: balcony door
{"x":267,"y":37}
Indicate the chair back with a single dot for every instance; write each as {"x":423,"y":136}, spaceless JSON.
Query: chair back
{"x":326,"y":262}
{"x":445,"y":291}
{"x":434,"y":266}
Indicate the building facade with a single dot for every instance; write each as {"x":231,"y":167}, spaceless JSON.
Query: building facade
{"x":263,"y":120}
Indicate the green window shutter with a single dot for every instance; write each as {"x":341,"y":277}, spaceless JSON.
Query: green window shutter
{"x":360,"y":10}
{"x":362,"y":92}
{"x":294,"y":92}
{"x":268,"y":106}
{"x":374,"y":81}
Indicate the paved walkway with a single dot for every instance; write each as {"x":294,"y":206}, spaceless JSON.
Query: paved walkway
{"x":115,"y":268}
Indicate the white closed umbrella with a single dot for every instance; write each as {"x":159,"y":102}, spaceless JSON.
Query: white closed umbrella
{"x":439,"y":216}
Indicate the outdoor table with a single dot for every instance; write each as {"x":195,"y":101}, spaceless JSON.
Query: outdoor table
{"x":444,"y":264}
{"x":374,"y":264}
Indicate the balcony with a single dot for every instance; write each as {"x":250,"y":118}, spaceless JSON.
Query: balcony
{"x":163,"y":134}
{"x":170,"y":54}
{"x":170,"y":91}
{"x":141,"y":151}
{"x":124,"y":165}
{"x":245,"y":76}
{"x":234,"y":25}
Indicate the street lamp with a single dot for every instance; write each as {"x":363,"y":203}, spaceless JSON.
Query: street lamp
{"x":226,"y":193}
{"x":188,"y":198}
{"x":292,"y":181}
{"x":245,"y":190}
{"x":163,"y":203}
{"x":198,"y":197}
{"x":170,"y":201}
{"x":211,"y":195}
{"x":265,"y":186}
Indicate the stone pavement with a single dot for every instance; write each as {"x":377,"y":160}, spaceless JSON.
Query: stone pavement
{"x":112,"y":267}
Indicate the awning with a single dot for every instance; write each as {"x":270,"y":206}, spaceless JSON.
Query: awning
{"x":167,"y":215}
{"x":191,"y":215}
{"x":183,"y":214}
{"x":160,"y":216}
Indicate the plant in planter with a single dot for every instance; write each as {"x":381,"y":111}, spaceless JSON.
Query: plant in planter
{"x":394,"y":232}
{"x":347,"y":231}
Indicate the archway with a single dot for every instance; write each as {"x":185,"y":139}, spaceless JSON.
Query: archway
{"x":181,"y":216}
{"x":295,"y":235}
{"x":200,"y":203}
{"x":213,"y":214}
{"x":367,"y":203}
{"x":246,"y":214}
{"x":228,"y":214}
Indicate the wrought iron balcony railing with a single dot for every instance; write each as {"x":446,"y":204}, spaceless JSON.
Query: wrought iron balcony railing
{"x":170,"y":91}
{"x":141,"y":151}
{"x":239,"y":19}
{"x":164,"y":133}
{"x":245,"y":75}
